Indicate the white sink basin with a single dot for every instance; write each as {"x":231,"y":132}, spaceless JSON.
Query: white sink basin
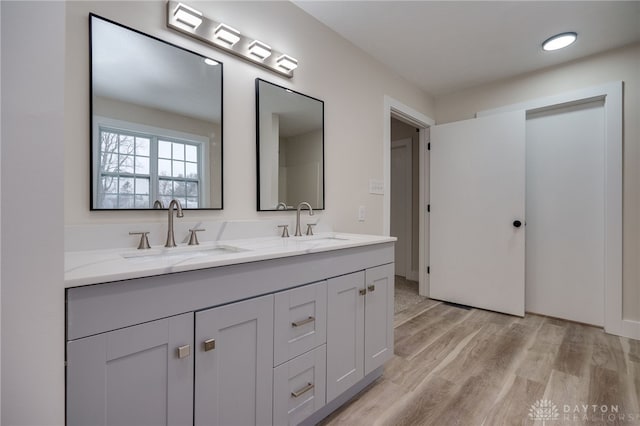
{"x":181,"y":253}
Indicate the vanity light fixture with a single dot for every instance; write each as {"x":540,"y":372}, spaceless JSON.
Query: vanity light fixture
{"x":194,"y":23}
{"x":260,"y":50}
{"x":226,"y":34}
{"x":559,"y":41}
{"x":188,"y":16}
{"x":287,"y":63}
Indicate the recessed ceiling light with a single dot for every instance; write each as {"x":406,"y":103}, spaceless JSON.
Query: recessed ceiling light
{"x":210,"y":61}
{"x":559,"y":41}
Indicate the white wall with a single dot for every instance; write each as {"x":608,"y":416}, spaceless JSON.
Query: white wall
{"x":32,"y":212}
{"x":620,"y":64}
{"x":351,"y":84}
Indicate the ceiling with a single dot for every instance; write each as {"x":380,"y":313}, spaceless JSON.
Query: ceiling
{"x":446,"y":46}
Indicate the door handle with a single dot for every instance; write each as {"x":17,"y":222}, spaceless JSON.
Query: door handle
{"x":517,"y":224}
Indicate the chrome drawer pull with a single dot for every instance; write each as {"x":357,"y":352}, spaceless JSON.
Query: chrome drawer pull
{"x":303,"y":390}
{"x":303,"y":322}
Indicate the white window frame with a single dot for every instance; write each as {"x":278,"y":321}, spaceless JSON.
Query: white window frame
{"x":126,"y":126}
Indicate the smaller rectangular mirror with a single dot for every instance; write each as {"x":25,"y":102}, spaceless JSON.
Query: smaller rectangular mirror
{"x":290,"y":148}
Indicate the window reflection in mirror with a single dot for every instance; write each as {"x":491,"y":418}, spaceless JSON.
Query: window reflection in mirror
{"x":290,"y":145}
{"x":156,"y":122}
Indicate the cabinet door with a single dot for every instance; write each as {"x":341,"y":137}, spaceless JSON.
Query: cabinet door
{"x":300,"y":321}
{"x":133,"y":376}
{"x":345,"y":333}
{"x":378,"y":314}
{"x":234,"y":364}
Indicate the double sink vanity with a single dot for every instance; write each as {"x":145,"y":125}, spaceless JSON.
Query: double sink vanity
{"x":249,"y":331}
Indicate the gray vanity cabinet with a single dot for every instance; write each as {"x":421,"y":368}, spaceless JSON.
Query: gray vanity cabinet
{"x":234,"y":363}
{"x":159,"y":354}
{"x":280,"y":341}
{"x":359,"y":327}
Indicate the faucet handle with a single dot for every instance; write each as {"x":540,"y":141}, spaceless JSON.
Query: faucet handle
{"x":310,"y":228}
{"x":285,"y":230}
{"x":144,"y":239}
{"x":193,"y":237}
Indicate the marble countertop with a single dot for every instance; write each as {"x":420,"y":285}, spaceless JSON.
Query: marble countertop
{"x":99,"y":266}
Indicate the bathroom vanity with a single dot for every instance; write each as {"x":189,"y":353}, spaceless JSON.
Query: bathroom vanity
{"x":245,"y":332}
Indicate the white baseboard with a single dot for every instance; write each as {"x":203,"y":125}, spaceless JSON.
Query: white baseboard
{"x":631,"y":329}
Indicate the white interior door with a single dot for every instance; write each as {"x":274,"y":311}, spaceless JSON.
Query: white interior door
{"x":477,"y":195}
{"x":565,"y":212}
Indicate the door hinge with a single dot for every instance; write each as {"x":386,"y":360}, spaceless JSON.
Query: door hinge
{"x":428,"y":269}
{"x":429,"y":146}
{"x":429,"y":208}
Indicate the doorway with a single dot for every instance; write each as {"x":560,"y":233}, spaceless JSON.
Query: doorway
{"x":404,"y":198}
{"x":415,"y":120}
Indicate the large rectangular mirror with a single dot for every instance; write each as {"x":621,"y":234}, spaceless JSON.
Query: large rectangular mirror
{"x":290,"y":148}
{"x":156,"y":122}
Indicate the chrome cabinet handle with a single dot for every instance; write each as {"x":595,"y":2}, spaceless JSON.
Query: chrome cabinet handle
{"x":371,"y":287}
{"x":305,"y":389}
{"x":302,"y":322}
{"x":363,"y":291}
{"x":209,"y":345}
{"x":183,"y":351}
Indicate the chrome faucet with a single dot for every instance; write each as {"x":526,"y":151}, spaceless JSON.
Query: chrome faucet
{"x":171,"y":241}
{"x":281,"y":204}
{"x":300,"y":206}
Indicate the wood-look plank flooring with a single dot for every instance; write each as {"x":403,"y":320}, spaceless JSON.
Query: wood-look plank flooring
{"x":454,"y":366}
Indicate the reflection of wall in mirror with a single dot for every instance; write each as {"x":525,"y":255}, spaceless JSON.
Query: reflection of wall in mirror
{"x":302,"y":168}
{"x":269,"y":133}
{"x":125,"y":111}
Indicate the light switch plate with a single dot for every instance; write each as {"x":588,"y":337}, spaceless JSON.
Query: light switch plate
{"x":376,"y":186}
{"x":362,"y":212}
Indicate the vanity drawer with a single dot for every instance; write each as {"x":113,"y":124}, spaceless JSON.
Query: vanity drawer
{"x":300,"y":321}
{"x":299,"y":387}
